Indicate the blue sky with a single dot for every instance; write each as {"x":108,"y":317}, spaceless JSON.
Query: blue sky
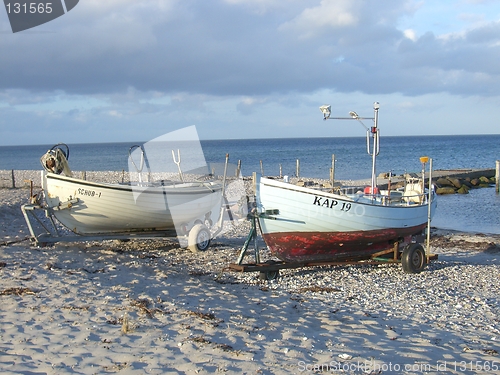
{"x":132,"y":70}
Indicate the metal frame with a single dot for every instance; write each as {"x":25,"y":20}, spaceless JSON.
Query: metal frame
{"x":266,"y":267}
{"x":52,"y":235}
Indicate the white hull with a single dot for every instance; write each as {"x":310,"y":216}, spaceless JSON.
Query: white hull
{"x":317,"y":225}
{"x":98,"y":208}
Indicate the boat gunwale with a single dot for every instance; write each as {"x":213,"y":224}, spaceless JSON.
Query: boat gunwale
{"x":204,"y":187}
{"x":310,"y":191}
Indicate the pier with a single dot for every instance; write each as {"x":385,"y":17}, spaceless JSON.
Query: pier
{"x":461,"y":174}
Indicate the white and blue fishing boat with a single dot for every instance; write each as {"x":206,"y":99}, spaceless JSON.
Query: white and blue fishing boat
{"x":301,"y":224}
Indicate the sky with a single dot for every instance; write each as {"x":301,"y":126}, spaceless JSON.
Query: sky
{"x":132,"y":70}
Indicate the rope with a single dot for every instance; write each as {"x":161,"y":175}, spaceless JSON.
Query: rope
{"x":7,"y":243}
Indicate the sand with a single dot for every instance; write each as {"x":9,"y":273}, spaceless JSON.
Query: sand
{"x":151,"y":307}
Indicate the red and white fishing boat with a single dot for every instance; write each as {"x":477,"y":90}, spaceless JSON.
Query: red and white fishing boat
{"x":303,"y":224}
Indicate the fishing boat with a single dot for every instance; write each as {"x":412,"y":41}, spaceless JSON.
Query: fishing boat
{"x":138,"y":207}
{"x":303,"y":224}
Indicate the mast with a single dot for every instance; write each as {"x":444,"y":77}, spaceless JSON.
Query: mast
{"x":373,"y":130}
{"x":376,"y":146}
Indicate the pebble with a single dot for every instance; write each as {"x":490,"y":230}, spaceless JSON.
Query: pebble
{"x":458,"y":291}
{"x":443,"y":292}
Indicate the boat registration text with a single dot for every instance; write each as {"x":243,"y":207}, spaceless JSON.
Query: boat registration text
{"x":331,"y":203}
{"x":88,"y":193}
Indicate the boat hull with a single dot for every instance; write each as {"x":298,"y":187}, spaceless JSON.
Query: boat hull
{"x":98,"y":208}
{"x":306,"y":225}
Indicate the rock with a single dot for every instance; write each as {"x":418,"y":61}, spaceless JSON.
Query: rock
{"x":455,"y":182}
{"x":485,"y":180}
{"x":445,"y":190}
{"x":463,"y":190}
{"x":475,"y":182}
{"x":467,"y":183}
{"x":345,"y":356}
{"x":443,"y":182}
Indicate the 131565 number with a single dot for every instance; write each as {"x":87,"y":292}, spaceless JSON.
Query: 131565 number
{"x":26,"y":8}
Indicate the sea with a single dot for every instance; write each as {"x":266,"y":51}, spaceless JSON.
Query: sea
{"x":478,"y":211}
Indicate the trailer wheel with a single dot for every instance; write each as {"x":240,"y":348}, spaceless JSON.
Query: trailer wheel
{"x":413,"y":258}
{"x":269,"y":275}
{"x":199,"y":238}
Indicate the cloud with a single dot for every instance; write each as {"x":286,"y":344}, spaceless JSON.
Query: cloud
{"x":249,"y":105}
{"x":186,"y":61}
{"x":327,"y":15}
{"x":410,"y":34}
{"x":224,"y":49}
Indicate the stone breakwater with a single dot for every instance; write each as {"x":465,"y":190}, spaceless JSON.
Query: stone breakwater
{"x":453,"y":185}
{"x":461,"y":182}
{"x":449,"y":181}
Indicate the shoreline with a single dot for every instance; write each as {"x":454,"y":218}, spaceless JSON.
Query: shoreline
{"x":119,"y":176}
{"x":17,"y":178}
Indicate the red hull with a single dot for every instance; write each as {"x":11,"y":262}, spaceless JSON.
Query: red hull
{"x":333,"y":246}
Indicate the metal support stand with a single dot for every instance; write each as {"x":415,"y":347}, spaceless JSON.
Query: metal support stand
{"x":29,"y":214}
{"x":252,"y":235}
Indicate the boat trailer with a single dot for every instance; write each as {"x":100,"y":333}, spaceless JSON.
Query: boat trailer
{"x":44,"y":230}
{"x":413,"y":257}
{"x":49,"y":233}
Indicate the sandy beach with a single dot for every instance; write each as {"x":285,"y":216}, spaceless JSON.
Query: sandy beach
{"x":151,"y":307}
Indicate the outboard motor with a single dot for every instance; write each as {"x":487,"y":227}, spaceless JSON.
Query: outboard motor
{"x":55,"y":160}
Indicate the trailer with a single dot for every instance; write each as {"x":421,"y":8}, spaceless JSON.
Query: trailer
{"x":412,"y":256}
{"x":44,"y":231}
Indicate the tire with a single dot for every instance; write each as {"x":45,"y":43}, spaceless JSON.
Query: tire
{"x":269,"y":275}
{"x":199,"y":238}
{"x":413,"y":258}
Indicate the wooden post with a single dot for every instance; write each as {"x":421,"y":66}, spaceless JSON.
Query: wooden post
{"x":13,"y":179}
{"x":261,"y":168}
{"x":238,"y":169}
{"x":332,"y":171}
{"x":429,"y":213}
{"x":497,"y":176}
{"x":298,"y":168}
{"x":281,"y":171}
